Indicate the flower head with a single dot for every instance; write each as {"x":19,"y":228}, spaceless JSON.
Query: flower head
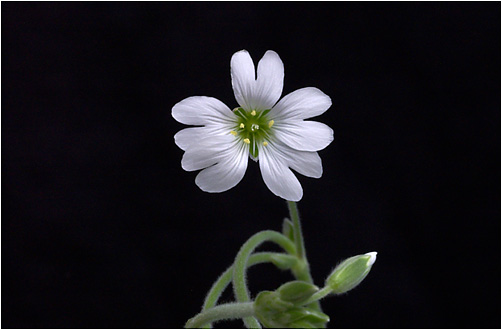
{"x":273,"y":133}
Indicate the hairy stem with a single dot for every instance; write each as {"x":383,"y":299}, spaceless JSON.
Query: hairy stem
{"x":239,"y":273}
{"x":302,"y":272}
{"x":319,"y":295}
{"x":224,"y":280}
{"x":221,"y":312}
{"x":226,"y":277}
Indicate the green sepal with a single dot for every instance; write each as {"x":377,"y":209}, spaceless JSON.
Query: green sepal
{"x":264,"y":112}
{"x":240,"y":112}
{"x":302,"y":324}
{"x":267,"y":306}
{"x":303,"y":314}
{"x":282,"y":308}
{"x":312,"y":319}
{"x":253,"y":148}
{"x":315,"y":316}
{"x":297,"y":292}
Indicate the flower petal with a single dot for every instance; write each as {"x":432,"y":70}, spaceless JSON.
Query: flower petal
{"x":188,"y":136}
{"x":207,"y":152}
{"x":259,"y":93}
{"x":301,"y":104}
{"x":243,"y":78}
{"x":202,"y":110}
{"x":278,"y":177}
{"x":227,"y":173}
{"x":304,"y":135}
{"x":304,"y":162}
{"x":269,"y":82}
{"x":308,"y":164}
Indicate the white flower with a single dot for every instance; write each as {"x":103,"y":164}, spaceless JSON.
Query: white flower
{"x":275,"y":134}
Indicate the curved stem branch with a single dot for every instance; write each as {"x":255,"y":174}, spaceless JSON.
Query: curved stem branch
{"x":224,"y":280}
{"x":239,"y":273}
{"x":221,"y":312}
{"x":226,"y":277}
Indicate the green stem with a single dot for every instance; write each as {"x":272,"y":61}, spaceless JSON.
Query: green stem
{"x":239,"y":274}
{"x":224,"y":280}
{"x":221,"y":312}
{"x":297,"y":230}
{"x":302,"y":272}
{"x":319,"y":295}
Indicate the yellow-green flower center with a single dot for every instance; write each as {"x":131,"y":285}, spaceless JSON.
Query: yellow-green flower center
{"x":253,"y":128}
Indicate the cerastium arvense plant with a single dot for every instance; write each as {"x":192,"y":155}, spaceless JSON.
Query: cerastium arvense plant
{"x":274,"y":133}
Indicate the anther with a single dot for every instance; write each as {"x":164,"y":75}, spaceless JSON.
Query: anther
{"x":270,"y":123}
{"x":241,"y":125}
{"x":253,"y":113}
{"x":234,"y":133}
{"x":265,"y":143}
{"x":235,"y":109}
{"x":247,"y":141}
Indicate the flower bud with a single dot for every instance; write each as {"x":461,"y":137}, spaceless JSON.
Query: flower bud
{"x":350,"y":272}
{"x":283,"y":308}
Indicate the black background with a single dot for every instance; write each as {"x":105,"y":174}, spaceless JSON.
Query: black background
{"x":102,"y":228}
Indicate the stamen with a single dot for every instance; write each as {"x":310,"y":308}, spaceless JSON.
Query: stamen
{"x":252,"y":127}
{"x":235,"y":109}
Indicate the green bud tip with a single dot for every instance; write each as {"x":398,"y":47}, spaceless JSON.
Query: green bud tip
{"x":350,"y":273}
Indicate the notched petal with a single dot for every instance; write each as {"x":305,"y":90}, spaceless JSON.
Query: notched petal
{"x":202,"y":110}
{"x":243,"y":75}
{"x":270,"y":80}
